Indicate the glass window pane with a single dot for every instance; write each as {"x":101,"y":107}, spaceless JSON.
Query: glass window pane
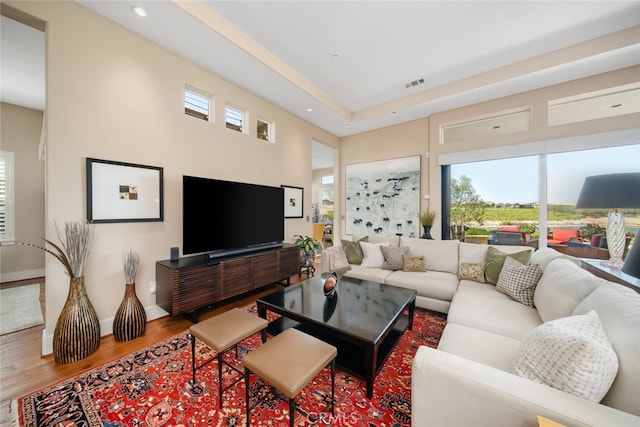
{"x":566,"y":174}
{"x":492,"y":195}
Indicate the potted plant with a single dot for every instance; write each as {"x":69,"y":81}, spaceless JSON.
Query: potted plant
{"x":427,"y":218}
{"x":308,"y":246}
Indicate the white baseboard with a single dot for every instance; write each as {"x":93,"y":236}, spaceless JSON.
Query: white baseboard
{"x":21,"y":275}
{"x":106,"y":327}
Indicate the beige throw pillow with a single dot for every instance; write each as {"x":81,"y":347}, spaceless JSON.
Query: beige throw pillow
{"x":414,"y":263}
{"x":393,"y":257}
{"x":471,"y":271}
{"x":572,"y":354}
{"x":338,"y":259}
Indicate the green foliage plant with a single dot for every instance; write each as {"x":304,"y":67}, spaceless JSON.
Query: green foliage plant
{"x":306,"y":243}
{"x":466,"y":205}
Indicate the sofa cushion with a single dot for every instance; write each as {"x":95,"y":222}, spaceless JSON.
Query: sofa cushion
{"x":353,"y":250}
{"x":618,"y":308}
{"x":501,"y":316}
{"x":480,"y":289}
{"x":373,"y":257}
{"x":544,"y":256}
{"x":337,"y":259}
{"x":571,"y":354}
{"x":393,"y":257}
{"x":373,"y":274}
{"x":561,"y":288}
{"x":495,"y":260}
{"x":519,"y":281}
{"x":495,"y":350}
{"x":414,"y":263}
{"x":433,"y":284}
{"x":439,"y":255}
{"x":471,"y":271}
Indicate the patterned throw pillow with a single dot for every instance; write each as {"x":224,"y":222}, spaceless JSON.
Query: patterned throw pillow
{"x":338,"y":261}
{"x":353,"y":250}
{"x":495,"y":260}
{"x":414,"y":263}
{"x":471,"y":271}
{"x":519,"y":281}
{"x":373,"y":257}
{"x":393,"y":257}
{"x":572,"y":354}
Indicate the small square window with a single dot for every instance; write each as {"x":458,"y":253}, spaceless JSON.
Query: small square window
{"x":264,"y":130}
{"x":234,"y":118}
{"x":196,"y":105}
{"x":326,"y":179}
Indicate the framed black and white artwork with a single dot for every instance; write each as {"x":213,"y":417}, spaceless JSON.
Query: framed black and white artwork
{"x":123,"y":192}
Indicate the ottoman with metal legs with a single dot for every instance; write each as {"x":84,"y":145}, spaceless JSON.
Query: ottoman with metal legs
{"x":288,"y":362}
{"x":222,"y":333}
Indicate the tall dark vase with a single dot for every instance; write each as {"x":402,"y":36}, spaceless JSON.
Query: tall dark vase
{"x":77,"y":332}
{"x":427,"y":232}
{"x":131,"y":320}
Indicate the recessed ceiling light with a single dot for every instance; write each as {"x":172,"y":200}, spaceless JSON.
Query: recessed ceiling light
{"x":347,"y":125}
{"x":309,"y":110}
{"x":393,"y":113}
{"x":138,"y":10}
{"x":335,"y":56}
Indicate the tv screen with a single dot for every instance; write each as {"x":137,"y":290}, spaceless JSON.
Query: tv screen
{"x":223,"y":216}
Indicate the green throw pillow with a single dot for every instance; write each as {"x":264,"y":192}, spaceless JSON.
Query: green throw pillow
{"x":353,"y":250}
{"x":495,"y":261}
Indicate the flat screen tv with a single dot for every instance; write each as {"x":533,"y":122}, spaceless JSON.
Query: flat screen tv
{"x":224,"y":217}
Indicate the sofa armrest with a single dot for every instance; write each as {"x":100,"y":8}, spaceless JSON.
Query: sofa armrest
{"x":448,"y":390}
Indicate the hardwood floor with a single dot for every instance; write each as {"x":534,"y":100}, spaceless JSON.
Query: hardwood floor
{"x":23,"y":369}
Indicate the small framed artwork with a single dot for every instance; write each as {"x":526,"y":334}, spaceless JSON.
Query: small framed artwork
{"x":123,"y":192}
{"x":293,"y":197}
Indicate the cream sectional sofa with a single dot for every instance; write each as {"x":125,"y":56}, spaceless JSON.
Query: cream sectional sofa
{"x":437,"y":285}
{"x":470,"y":381}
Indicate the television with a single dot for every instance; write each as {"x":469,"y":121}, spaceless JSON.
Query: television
{"x":224,"y":217}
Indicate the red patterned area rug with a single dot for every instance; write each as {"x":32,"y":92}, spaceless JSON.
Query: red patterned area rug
{"x":153,"y":388}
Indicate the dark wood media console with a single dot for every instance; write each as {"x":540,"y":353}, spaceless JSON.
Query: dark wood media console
{"x":195,"y":282}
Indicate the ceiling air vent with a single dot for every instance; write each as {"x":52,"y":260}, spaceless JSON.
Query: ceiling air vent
{"x":414,"y":83}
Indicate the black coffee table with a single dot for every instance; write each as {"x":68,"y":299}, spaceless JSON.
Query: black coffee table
{"x":364,"y":320}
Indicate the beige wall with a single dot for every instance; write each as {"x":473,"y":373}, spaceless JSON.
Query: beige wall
{"x":114,"y":95}
{"x":21,"y":128}
{"x":422,"y":137}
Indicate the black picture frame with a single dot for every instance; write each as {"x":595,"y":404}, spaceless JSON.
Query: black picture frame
{"x":293,"y":201}
{"x":123,"y":192}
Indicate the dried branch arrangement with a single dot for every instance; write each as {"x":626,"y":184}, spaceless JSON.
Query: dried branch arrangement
{"x":75,"y":245}
{"x":131,"y":263}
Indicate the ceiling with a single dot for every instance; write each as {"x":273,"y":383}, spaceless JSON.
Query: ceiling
{"x":347,"y":66}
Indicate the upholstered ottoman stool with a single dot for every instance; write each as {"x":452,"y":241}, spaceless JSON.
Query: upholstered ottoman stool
{"x":288,"y":362}
{"x":222,"y":333}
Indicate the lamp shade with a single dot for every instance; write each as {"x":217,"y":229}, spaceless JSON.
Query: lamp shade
{"x":612,"y":191}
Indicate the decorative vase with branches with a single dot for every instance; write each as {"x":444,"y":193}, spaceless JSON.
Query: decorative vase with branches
{"x":77,"y":331}
{"x":130,"y":320}
{"x":427,"y":219}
